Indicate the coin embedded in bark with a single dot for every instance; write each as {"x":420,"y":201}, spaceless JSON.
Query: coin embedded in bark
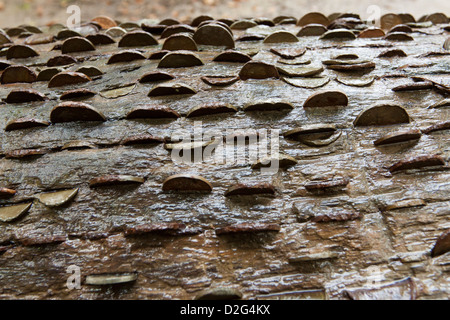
{"x":315,"y":135}
{"x":100,"y":39}
{"x":116,"y":32}
{"x":294,"y":62}
{"x":247,"y":228}
{"x":312,"y":29}
{"x":6,"y":193}
{"x":210,"y":109}
{"x":243,"y":24}
{"x":308,"y":83}
{"x":420,"y":24}
{"x":77,"y":44}
{"x":178,"y":28}
{"x":280,"y":36}
{"x":154,"y":76}
{"x":4,"y":65}
{"x":401,"y":28}
{"x":25,"y":123}
{"x":78,"y":145}
{"x":4,"y":39}
{"x":108,"y":279}
{"x":24,"y":95}
{"x":152,"y":112}
{"x":20,"y":51}
{"x":61,"y":60}
{"x":15,"y":74}
{"x":326,"y":99}
{"x":169,"y":22}
{"x":250,"y":189}
{"x":299,"y":71}
{"x":380,"y":115}
{"x":437,"y":127}
{"x":68,"y":78}
{"x":189,"y":146}
{"x":421,"y":85}
{"x":268,"y":106}
{"x":158,"y":54}
{"x":77,"y":94}
{"x":398,"y":36}
{"x":197,"y":20}
{"x":186,"y":182}
{"x":75,"y":111}
{"x":15,"y":32}
{"x":390,"y":20}
{"x":417,"y":163}
{"x":437,"y":18}
{"x":219,"y":81}
{"x":90,"y":71}
{"x":440,"y":104}
{"x":171,"y":89}
{"x":113,"y":180}
{"x":406,"y":17}
{"x":371,"y":33}
{"x":153,"y":29}
{"x":105,"y":22}
{"x":180,"y":59}
{"x":346,"y":56}
{"x":137,"y":39}
{"x":57,"y":198}
{"x":126,"y":56}
{"x":220,"y":293}
{"x":67,"y":33}
{"x":313,"y":17}
{"x":10,"y":213}
{"x":258,"y":70}
{"x":339,"y":34}
{"x":331,"y":62}
{"x":280,"y":19}
{"x":442,"y":244}
{"x":250,"y":37}
{"x":129,"y":25}
{"x":36,"y":39}
{"x":281,"y":160}
{"x":290,"y":53}
{"x":397,"y":137}
{"x":47,"y":74}
{"x":392,"y":53}
{"x":327,"y":129}
{"x":315,"y":141}
{"x":214,"y":35}
{"x":180,"y":42}
{"x":350,"y":67}
{"x":356,"y":82}
{"x":232,"y":56}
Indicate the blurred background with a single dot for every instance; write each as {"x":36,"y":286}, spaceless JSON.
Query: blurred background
{"x":42,"y":12}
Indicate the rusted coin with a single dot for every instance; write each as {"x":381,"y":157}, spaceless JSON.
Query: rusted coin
{"x":258,"y":70}
{"x":75,"y":111}
{"x":326,"y":99}
{"x":68,"y":78}
{"x":187,"y":183}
